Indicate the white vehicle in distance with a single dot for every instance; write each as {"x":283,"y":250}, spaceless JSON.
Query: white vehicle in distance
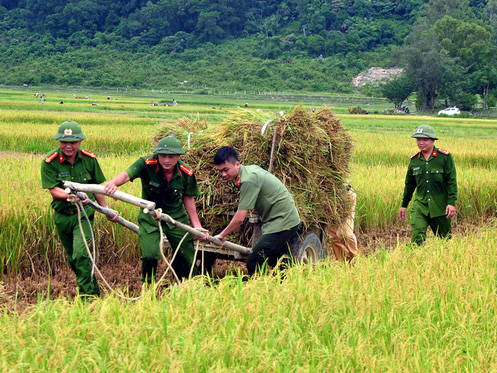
{"x":449,"y":111}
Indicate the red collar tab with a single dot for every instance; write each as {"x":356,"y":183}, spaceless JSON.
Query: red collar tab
{"x":237,"y":182}
{"x":61,"y":157}
{"x":434,"y":153}
{"x":89,"y":154}
{"x":187,"y":170}
{"x":150,"y":161}
{"x":51,"y":157}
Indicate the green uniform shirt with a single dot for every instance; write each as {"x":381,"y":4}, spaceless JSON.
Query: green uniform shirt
{"x":264,"y":192}
{"x":167,"y":195}
{"x":434,"y":181}
{"x":55,"y":169}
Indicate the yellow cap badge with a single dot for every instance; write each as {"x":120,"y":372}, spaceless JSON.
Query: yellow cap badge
{"x":68,"y":132}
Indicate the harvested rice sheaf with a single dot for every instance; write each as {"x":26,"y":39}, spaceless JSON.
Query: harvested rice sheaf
{"x":311,"y":157}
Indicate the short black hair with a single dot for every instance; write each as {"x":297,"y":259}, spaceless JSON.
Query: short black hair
{"x":226,"y":154}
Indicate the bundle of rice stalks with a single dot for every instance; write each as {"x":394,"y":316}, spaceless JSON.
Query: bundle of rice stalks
{"x":311,"y":157}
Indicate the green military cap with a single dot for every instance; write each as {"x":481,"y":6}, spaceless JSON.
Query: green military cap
{"x":69,"y":131}
{"x":425,"y":131}
{"x":169,"y":145}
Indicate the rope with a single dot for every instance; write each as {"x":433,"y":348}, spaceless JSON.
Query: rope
{"x":79,"y":206}
{"x":158,"y":213}
{"x":195,"y":255}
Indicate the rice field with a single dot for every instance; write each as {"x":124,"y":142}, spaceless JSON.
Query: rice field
{"x":415,"y":310}
{"x":405,"y":309}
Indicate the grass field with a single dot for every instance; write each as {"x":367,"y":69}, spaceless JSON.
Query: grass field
{"x":402,"y":309}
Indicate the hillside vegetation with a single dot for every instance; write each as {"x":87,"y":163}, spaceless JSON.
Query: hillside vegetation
{"x":311,"y":45}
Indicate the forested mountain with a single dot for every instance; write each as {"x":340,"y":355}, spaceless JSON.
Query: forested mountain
{"x":237,"y":44}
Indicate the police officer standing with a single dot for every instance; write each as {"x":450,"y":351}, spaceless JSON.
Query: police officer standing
{"x":172,"y":185}
{"x":432,"y":174}
{"x":70,"y":163}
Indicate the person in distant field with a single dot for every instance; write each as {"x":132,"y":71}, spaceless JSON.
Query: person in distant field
{"x":264,"y":192}
{"x":343,"y":239}
{"x":246,"y":105}
{"x":36,"y":94}
{"x":172,"y":185}
{"x":69,"y":163}
{"x":174,"y":102}
{"x":432,"y":175}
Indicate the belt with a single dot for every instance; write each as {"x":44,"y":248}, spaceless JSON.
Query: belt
{"x":67,"y":212}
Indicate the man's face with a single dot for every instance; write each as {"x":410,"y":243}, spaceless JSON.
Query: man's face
{"x":168,"y":161}
{"x":69,"y":148}
{"x":228,"y":170}
{"x":424,"y":144}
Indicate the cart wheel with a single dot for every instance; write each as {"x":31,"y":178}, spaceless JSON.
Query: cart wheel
{"x":309,"y":249}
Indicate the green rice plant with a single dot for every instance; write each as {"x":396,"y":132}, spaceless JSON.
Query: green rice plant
{"x":406,"y":125}
{"x":423,"y":309}
{"x":396,"y":149}
{"x":380,"y":190}
{"x":377,"y":174}
{"x":27,"y":232}
{"x":110,"y":135}
{"x":126,"y":130}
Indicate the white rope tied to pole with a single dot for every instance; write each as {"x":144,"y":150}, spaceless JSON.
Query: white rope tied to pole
{"x":79,"y":206}
{"x":195,"y":255}
{"x":158,"y":213}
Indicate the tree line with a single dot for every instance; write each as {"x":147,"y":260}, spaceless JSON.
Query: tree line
{"x":449,"y":56}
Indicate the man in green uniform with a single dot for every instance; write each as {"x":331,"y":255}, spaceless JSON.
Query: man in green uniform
{"x":272,"y":201}
{"x":432,"y":174}
{"x":69,"y":163}
{"x":172,"y":185}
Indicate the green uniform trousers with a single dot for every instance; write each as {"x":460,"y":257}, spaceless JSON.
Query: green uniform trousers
{"x":77,"y":255}
{"x":420,"y":220}
{"x":182,"y":264}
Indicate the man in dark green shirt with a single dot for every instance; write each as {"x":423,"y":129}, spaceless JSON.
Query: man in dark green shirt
{"x":432,"y":174}
{"x":69,"y":163}
{"x":172,"y":185}
{"x":262,"y":191}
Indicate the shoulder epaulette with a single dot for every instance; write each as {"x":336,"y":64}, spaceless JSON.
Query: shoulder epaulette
{"x":412,"y":156}
{"x":149,"y":161}
{"x":443,"y":151}
{"x":89,"y":154}
{"x":187,"y":170}
{"x":51,"y":157}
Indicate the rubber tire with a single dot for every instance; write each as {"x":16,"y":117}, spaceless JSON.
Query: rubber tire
{"x":309,"y":249}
